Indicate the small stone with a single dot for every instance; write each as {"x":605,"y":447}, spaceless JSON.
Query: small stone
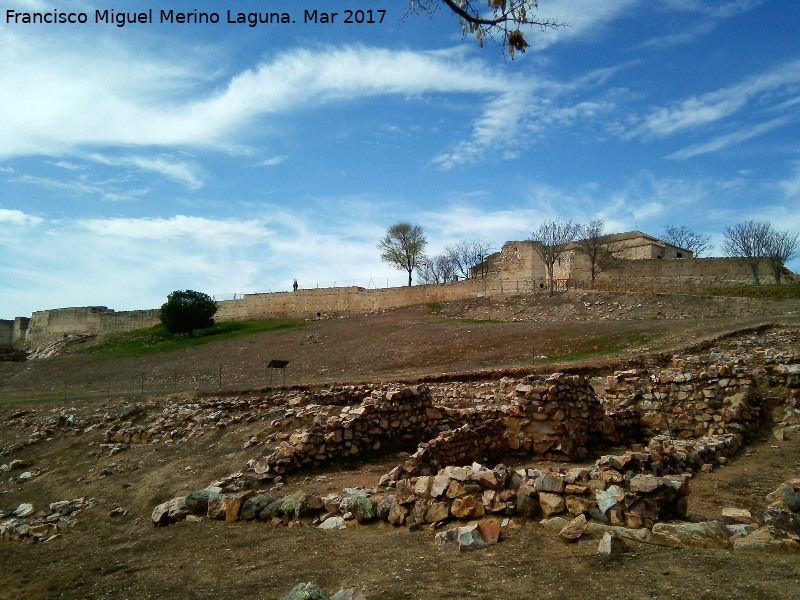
{"x":349,"y":594}
{"x":611,"y":543}
{"x":489,"y":530}
{"x":333,"y":523}
{"x":24,"y":510}
{"x":469,"y":538}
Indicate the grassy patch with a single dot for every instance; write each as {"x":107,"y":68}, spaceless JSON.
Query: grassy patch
{"x":158,"y":339}
{"x":436,"y":307}
{"x":602,"y":346}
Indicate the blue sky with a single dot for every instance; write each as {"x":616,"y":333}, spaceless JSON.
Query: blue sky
{"x":139,"y":160}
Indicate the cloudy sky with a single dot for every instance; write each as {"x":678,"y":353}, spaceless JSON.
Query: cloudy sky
{"x":230,"y":159}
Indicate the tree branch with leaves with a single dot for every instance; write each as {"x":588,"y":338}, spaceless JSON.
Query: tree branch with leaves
{"x":503,"y":19}
{"x":403,"y":247}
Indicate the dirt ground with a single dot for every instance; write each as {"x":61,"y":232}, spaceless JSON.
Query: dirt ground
{"x":123,"y":557}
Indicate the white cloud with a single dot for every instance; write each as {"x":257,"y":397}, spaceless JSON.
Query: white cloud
{"x":586,"y":20}
{"x":17,"y":217}
{"x":273,"y":161}
{"x":84,"y":186}
{"x":730,"y":139}
{"x":714,"y":106}
{"x":791,"y":186}
{"x":182,"y":171}
{"x":145,"y":104}
{"x":63,"y":164}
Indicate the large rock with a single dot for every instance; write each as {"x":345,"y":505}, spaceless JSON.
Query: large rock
{"x":710,"y":534}
{"x":574,"y":529}
{"x":169,"y":512}
{"x":253,"y":507}
{"x":364,"y":509}
{"x":552,"y":504}
{"x":398,"y":514}
{"x":467,"y":507}
{"x":197,"y":502}
{"x":609,"y":498}
{"x":306,"y":591}
{"x":436,"y":512}
{"x":527,"y":506}
{"x":783,"y":523}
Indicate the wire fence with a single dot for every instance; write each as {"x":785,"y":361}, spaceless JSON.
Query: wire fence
{"x":369,"y":283}
{"x":154,"y":382}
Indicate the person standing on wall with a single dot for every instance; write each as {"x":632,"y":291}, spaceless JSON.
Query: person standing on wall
{"x":294,"y":285}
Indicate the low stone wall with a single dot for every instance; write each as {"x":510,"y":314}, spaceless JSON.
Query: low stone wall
{"x":687,"y":404}
{"x":557,"y":417}
{"x":395,"y":419}
{"x":469,"y":492}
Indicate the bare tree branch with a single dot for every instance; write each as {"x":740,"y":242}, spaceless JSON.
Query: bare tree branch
{"x":500,"y":17}
{"x":553,"y":238}
{"x":683,"y":237}
{"x":782,"y":246}
{"x":748,"y":240}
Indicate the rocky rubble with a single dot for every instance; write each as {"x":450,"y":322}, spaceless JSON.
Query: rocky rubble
{"x":27,"y":524}
{"x":571,"y":503}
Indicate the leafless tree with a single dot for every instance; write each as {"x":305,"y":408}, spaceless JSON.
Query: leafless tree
{"x":748,"y":240}
{"x":403,"y":247}
{"x":503,"y":19}
{"x":436,"y":269}
{"x":782,"y":246}
{"x":553,"y":238}
{"x":467,"y":254}
{"x":594,"y":243}
{"x":683,"y":237}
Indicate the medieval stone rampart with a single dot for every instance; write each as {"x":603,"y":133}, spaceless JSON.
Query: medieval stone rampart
{"x":695,"y":270}
{"x":47,"y":325}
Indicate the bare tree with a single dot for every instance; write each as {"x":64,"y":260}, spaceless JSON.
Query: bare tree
{"x":501,"y":18}
{"x":782,"y":246}
{"x":436,"y":269}
{"x":748,"y":240}
{"x":403,"y":247}
{"x":594,"y":243}
{"x":553,"y":238}
{"x":683,"y":237}
{"x":467,"y":254}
